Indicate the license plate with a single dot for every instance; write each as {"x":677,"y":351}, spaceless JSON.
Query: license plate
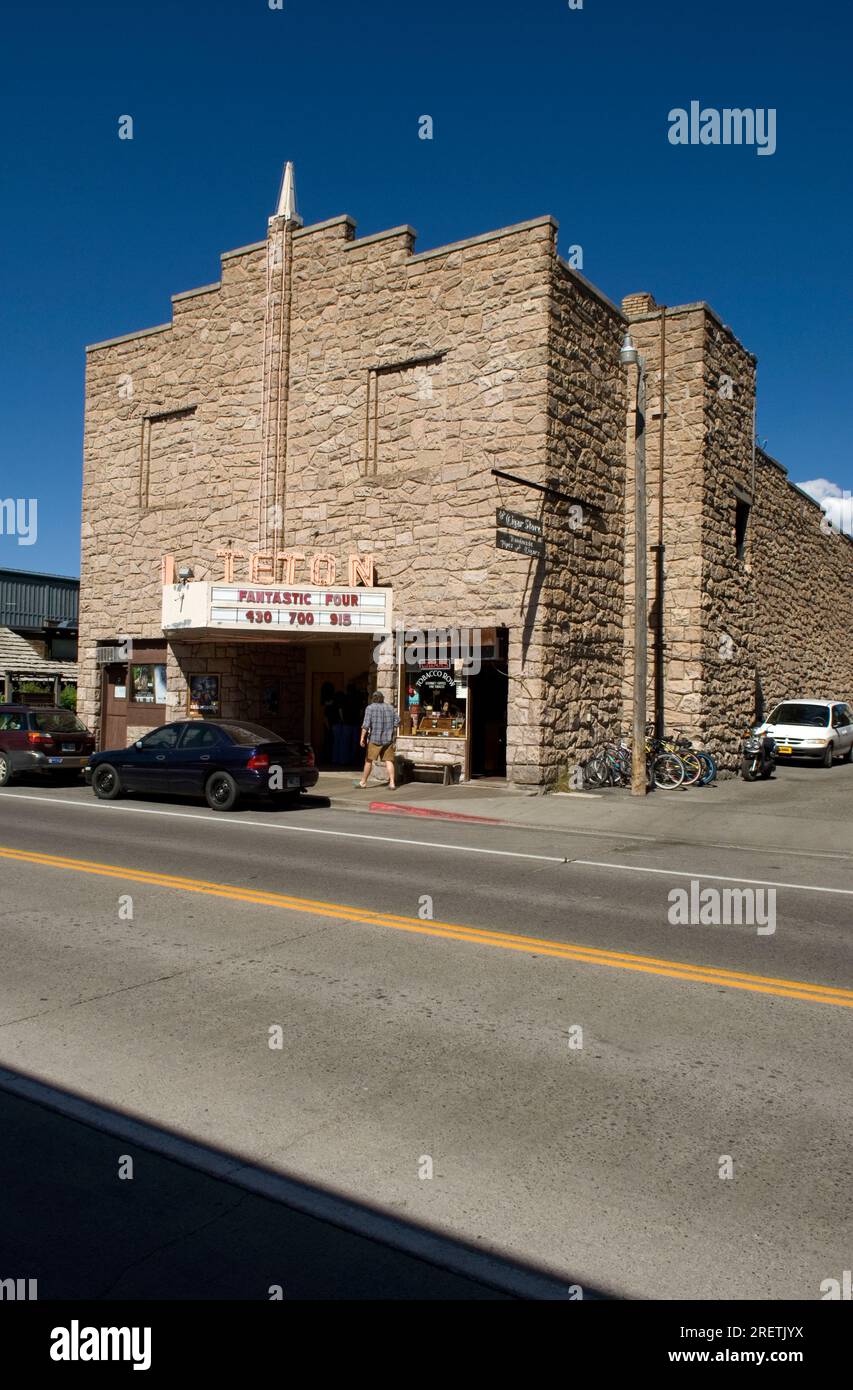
{"x":292,"y":782}
{"x":784,"y":748}
{"x":54,"y":760}
{"x":69,"y":747}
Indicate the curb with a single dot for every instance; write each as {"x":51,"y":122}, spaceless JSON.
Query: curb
{"x":665,"y":834}
{"x":399,"y":808}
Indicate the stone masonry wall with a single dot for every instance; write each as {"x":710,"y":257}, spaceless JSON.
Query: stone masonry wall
{"x":684,"y":390}
{"x":583,"y":593}
{"x":207,"y":362}
{"x":409,"y":377}
{"x":803,"y":594}
{"x":774,"y":619}
{"x":412,"y":376}
{"x":729,"y":616}
{"x":249,"y":673}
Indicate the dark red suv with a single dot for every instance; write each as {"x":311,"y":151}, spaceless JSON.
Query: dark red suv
{"x":42,"y":739}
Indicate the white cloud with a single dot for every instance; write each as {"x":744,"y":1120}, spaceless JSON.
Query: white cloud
{"x":821,"y":488}
{"x":837,"y":504}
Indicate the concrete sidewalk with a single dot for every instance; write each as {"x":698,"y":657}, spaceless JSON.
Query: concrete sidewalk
{"x":801,"y":808}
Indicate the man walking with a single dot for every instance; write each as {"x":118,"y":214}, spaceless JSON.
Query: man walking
{"x":378,"y":732}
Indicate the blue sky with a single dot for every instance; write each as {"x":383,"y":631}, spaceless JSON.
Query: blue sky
{"x":537,"y":108}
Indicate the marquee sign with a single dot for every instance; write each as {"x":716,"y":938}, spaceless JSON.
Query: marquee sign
{"x":306,"y":609}
{"x":301,"y":610}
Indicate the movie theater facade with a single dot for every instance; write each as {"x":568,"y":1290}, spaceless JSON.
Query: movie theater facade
{"x":344,"y":441}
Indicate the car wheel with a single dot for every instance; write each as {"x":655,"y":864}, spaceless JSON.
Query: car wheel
{"x":6,"y":773}
{"x":106,"y":783}
{"x":827,"y":756}
{"x":221,"y":792}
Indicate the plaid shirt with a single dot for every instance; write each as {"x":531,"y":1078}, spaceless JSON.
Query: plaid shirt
{"x":381,"y":722}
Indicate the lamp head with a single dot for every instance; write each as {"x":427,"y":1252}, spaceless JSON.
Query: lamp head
{"x":628,"y":354}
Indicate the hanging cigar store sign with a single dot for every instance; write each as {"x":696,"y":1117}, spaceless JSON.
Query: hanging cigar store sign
{"x":519,"y":534}
{"x":515,"y":521}
{"x":518,"y":544}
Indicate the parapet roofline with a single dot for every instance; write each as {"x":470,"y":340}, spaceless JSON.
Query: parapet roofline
{"x":512,"y":230}
{"x":351,"y":244}
{"x":343,"y":219}
{"x":673,"y":310}
{"x":588,"y":285}
{"x":766,"y":458}
{"x":127,"y":337}
{"x":405,"y":230}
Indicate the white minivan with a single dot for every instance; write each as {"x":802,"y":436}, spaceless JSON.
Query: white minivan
{"x":821,"y":729}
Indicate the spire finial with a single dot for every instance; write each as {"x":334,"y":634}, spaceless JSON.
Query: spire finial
{"x":287,"y":195}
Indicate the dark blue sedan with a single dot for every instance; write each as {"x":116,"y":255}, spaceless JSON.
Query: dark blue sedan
{"x":221,"y":760}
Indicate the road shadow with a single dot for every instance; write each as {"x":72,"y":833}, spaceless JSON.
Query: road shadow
{"x":97,"y":1203}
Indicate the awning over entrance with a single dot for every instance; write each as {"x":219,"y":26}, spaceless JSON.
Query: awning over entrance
{"x":201,"y":610}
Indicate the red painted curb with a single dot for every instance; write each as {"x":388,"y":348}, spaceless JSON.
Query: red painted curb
{"x":397,"y":807}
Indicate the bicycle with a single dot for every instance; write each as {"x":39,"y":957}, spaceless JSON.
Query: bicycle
{"x":607,"y":766}
{"x":682,"y":747}
{"x":671,"y":762}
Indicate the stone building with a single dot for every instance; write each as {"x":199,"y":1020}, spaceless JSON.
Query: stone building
{"x":757,"y":587}
{"x":312,"y":454}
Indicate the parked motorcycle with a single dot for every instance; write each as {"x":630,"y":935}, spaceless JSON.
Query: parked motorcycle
{"x":758,"y":755}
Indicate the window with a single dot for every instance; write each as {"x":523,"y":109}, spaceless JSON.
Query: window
{"x":58,"y":721}
{"x":200,"y":736}
{"x":167,"y":737}
{"x":742,"y":510}
{"x":248,"y":735}
{"x":148,"y":684}
{"x":810,"y":716}
{"x":13,"y":723}
{"x":434,"y":700}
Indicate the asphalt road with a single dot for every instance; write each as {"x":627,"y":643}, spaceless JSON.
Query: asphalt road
{"x":413,"y":1026}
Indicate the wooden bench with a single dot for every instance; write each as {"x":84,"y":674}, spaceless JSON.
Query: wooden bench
{"x":446,"y":769}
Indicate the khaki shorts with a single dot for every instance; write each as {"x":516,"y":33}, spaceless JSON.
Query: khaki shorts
{"x":380,"y":752}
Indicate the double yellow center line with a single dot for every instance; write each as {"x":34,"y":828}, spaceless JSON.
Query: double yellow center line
{"x":453,"y":931}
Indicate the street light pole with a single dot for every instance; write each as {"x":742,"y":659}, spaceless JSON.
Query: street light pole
{"x":630,"y":356}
